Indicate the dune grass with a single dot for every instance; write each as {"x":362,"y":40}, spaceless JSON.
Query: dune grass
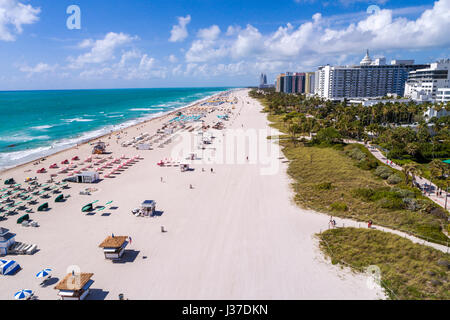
{"x":314,"y":167}
{"x":411,"y":271}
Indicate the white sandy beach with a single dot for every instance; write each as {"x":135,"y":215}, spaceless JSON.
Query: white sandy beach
{"x":236,"y":235}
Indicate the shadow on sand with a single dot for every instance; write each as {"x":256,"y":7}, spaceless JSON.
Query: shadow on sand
{"x":129,"y":256}
{"x":51,"y":281}
{"x":97,"y":294}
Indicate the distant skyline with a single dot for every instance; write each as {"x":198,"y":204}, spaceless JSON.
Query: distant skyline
{"x":144,"y":44}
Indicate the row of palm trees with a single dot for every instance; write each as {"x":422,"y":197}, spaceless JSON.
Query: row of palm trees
{"x":303,"y":115}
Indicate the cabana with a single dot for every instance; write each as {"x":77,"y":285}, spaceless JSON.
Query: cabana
{"x":148,"y":207}
{"x":43,"y":207}
{"x":75,"y":286}
{"x":88,"y":177}
{"x":10,"y":181}
{"x":7,"y":239}
{"x":87,"y":208}
{"x":23,"y":218}
{"x":84,"y":177}
{"x":8,"y":267}
{"x":114,"y":247}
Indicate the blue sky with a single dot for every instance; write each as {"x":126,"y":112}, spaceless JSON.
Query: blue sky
{"x":152,"y":43}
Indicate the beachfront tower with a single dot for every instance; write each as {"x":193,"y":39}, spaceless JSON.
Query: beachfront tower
{"x":366,"y":61}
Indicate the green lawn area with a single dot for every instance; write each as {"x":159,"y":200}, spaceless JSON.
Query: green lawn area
{"x":411,"y":271}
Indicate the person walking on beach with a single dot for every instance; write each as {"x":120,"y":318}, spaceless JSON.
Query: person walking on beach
{"x":130,"y":240}
{"x":212,"y":170}
{"x":161,"y":179}
{"x":369,"y":224}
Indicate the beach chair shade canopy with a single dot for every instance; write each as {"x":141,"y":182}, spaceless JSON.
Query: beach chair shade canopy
{"x":23,"y":218}
{"x":8,"y":267}
{"x":43,"y":206}
{"x":59,"y":198}
{"x":44,"y":273}
{"x":23,"y":294}
{"x":88,"y":207}
{"x":10,"y":181}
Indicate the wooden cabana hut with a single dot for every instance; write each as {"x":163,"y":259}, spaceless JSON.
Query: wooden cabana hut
{"x":75,"y":286}
{"x":114,"y":247}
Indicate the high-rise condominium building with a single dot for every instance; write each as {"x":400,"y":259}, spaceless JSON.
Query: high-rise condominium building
{"x":262,"y":79}
{"x":310,"y":82}
{"x":372,"y":78}
{"x":291,"y":82}
{"x":430,"y":83}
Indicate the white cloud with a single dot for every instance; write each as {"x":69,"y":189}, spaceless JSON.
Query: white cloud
{"x":13,"y":15}
{"x":100,"y":50}
{"x":173,"y":59}
{"x":179,"y":31}
{"x":132,"y":65}
{"x":326,"y":43}
{"x":248,"y":42}
{"x":244,"y":50}
{"x":210,"y":33}
{"x":39,"y":68}
{"x":128,"y":56}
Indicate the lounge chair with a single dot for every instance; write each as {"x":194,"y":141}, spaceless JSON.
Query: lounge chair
{"x":32,"y":249}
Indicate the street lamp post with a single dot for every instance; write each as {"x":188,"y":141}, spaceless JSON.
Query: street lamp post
{"x":446,"y":196}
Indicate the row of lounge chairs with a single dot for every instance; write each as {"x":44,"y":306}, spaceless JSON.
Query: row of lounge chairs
{"x":22,"y":248}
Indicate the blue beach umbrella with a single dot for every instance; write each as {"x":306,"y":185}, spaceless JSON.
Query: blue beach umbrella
{"x":44,"y":273}
{"x":23,"y":294}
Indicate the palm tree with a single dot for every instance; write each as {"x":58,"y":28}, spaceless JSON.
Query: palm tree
{"x":410,"y":169}
{"x":438,"y":168}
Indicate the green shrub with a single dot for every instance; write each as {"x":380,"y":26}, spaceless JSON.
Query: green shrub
{"x":411,"y":204}
{"x":394,"y":179}
{"x":339,"y":206}
{"x":391,"y":203}
{"x":356,"y":154}
{"x":324,"y":186}
{"x":384,"y":193}
{"x":403,"y":193}
{"x":367,"y":164}
{"x":383,"y":172}
{"x":364,"y":193}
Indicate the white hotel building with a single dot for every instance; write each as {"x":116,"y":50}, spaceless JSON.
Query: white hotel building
{"x":372,"y":78}
{"x":430,"y":84}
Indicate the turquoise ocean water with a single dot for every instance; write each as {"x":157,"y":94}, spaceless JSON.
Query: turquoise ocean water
{"x":38,"y":123}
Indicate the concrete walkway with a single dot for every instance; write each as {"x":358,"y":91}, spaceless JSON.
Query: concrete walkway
{"x":428,"y":188}
{"x":342,"y":222}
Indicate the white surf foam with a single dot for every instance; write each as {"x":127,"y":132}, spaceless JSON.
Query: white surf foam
{"x":12,"y":159}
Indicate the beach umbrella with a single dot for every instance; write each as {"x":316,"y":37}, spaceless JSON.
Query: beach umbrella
{"x":44,"y":273}
{"x":23,"y":294}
